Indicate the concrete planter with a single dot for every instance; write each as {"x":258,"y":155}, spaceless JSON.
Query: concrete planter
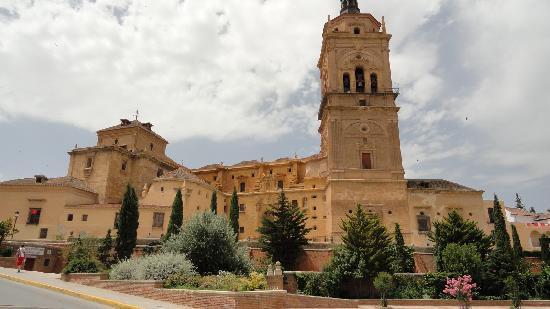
{"x":82,"y":277}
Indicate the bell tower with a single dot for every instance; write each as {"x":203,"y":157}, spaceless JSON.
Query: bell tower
{"x":359,"y":123}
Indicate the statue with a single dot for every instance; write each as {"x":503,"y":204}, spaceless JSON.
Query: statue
{"x":349,"y":6}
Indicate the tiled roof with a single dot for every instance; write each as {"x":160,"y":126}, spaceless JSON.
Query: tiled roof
{"x":185,"y":174}
{"x":437,"y":184}
{"x":67,"y":181}
{"x":522,"y":212}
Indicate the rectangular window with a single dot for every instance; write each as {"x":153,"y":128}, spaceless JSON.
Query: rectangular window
{"x":366,"y":161}
{"x":46,"y":262}
{"x":295,"y":203}
{"x":43,"y":233}
{"x":423,"y":223}
{"x":70,"y":217}
{"x":84,"y":218}
{"x":115,"y":224}
{"x":34,"y":216}
{"x":491,"y":215}
{"x":215,"y":178}
{"x":362,"y":102}
{"x":280,"y":184}
{"x":241,"y":229}
{"x":124,"y":164}
{"x":89,"y":162}
{"x":242,"y":208}
{"x":158,"y":219}
{"x":243,"y":187}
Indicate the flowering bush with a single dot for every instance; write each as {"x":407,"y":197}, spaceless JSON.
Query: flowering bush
{"x":461,"y":288}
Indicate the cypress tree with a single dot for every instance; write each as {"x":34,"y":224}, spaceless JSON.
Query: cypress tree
{"x":176,"y":218}
{"x":518,"y":250}
{"x":128,"y":222}
{"x":234,"y":213}
{"x":500,"y":263}
{"x":519,"y":203}
{"x":283,"y":232}
{"x":214,"y":203}
{"x":403,"y":260}
{"x":104,"y":254}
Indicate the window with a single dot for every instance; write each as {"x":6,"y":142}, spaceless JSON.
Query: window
{"x":116,"y":141}
{"x":280,"y":184}
{"x":314,"y":207}
{"x":315,"y":228}
{"x":373,"y":83}
{"x":241,"y":229}
{"x":295,"y":203}
{"x":225,"y":208}
{"x":253,"y":175}
{"x":232,"y":176}
{"x":313,"y":186}
{"x":359,"y":80}
{"x":362,"y":102}
{"x":350,"y":211}
{"x":158,"y":219}
{"x":423,"y":222}
{"x":43,"y":233}
{"x":347,"y":83}
{"x":124,"y":164}
{"x":356,"y":30}
{"x":89,"y":162}
{"x":491,"y":211}
{"x":151,"y":146}
{"x":84,"y":217}
{"x":115,"y":224}
{"x":215,"y":178}
{"x":290,"y":169}
{"x":161,"y":189}
{"x":46,"y":262}
{"x":242,"y":187}
{"x":535,"y":239}
{"x":270,"y":172}
{"x":70,"y":217}
{"x":34,"y":216}
{"x":242,"y":208}
{"x":366,"y":162}
{"x":160,"y":172}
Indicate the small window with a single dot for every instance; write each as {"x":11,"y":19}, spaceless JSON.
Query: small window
{"x":366,"y":161}
{"x":271,"y":172}
{"x":115,"y":224}
{"x":161,"y":189}
{"x":253,"y":175}
{"x":215,"y":178}
{"x":295,"y":203}
{"x":116,"y":141}
{"x":314,"y":207}
{"x":84,"y":217}
{"x":70,"y":217}
{"x":124,"y":164}
{"x":232,"y":176}
{"x":346,"y":82}
{"x":280,"y":184}
{"x":315,"y":228}
{"x":225,"y":208}
{"x":158,"y":219}
{"x":350,"y":211}
{"x":198,"y":207}
{"x":314,"y":196}
{"x":356,"y":30}
{"x":241,"y":229}
{"x":314,"y":217}
{"x":34,"y":216}
{"x":491,"y":212}
{"x":242,"y":208}
{"x":373,"y":83}
{"x":359,"y":80}
{"x":290,"y":169}
{"x":89,"y":162}
{"x":46,"y":262}
{"x":43,"y":233}
{"x":423,"y":222}
{"x":389,"y":212}
{"x":362,"y":102}
{"x":313,"y":187}
{"x":242,"y":187}
{"x":160,"y":172}
{"x":151,"y":146}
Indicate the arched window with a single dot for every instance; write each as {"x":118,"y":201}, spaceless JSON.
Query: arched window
{"x":535,"y":239}
{"x":359,"y":80}
{"x":347,"y":83}
{"x":373,"y":83}
{"x":356,"y":30}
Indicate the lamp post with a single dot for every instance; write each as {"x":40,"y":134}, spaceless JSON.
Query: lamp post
{"x":14,"y":223}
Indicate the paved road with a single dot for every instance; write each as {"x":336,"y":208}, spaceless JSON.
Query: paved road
{"x":17,"y":295}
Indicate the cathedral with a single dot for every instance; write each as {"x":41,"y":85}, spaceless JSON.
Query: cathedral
{"x":359,"y":162}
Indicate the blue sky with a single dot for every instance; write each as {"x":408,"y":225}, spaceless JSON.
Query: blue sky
{"x":228,"y":80}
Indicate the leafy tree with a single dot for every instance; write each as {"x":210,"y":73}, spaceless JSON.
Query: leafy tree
{"x":519,"y":203}
{"x":455,"y":229}
{"x":383,"y":283}
{"x":545,"y":249}
{"x":365,"y":251}
{"x":403,"y":256}
{"x":518,"y":250}
{"x":500,"y":263}
{"x":214,"y":203}
{"x":7,"y":229}
{"x":462,"y":260}
{"x":234,"y":213}
{"x":283,"y":232}
{"x":210,"y":244}
{"x":81,"y":256}
{"x":104,"y":250}
{"x":127,"y":225}
{"x":176,"y":218}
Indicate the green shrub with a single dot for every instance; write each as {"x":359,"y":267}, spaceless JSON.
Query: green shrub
{"x":409,"y":287}
{"x":6,"y":252}
{"x":383,"y":283}
{"x":152,"y":248}
{"x":311,"y":283}
{"x":543,"y":283}
{"x":513,"y":291}
{"x":435,"y":283}
{"x":210,"y":244}
{"x":222,"y":282}
{"x":152,"y":267}
{"x":462,"y":259}
{"x":81,"y":266}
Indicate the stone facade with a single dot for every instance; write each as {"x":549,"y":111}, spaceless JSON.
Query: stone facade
{"x":359,"y":163}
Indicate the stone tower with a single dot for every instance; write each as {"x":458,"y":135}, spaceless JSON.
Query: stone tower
{"x":359,"y":124}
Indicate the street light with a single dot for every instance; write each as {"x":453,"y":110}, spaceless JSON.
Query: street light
{"x":14,"y":223}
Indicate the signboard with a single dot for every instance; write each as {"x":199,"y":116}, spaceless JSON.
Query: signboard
{"x":34,"y":251}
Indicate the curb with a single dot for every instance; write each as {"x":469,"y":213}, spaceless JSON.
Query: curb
{"x":96,"y":299}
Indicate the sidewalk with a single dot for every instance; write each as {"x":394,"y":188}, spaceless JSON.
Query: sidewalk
{"x":106,"y":297}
